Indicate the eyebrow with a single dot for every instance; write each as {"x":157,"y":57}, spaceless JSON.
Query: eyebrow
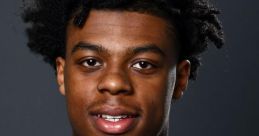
{"x":89,"y":46}
{"x":132,"y":51}
{"x":148,"y":48}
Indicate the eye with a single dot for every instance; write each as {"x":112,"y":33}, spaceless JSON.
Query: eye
{"x":91,"y":63}
{"x":143,"y":65}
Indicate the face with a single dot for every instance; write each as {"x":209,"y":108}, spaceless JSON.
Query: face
{"x":120,"y":74}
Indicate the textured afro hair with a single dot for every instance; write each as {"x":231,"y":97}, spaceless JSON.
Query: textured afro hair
{"x":195,"y":20}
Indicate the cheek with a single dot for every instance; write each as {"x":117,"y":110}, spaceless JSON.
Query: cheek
{"x":155,"y":90}
{"x":154,"y":95}
{"x":80,"y":91}
{"x":79,"y":87}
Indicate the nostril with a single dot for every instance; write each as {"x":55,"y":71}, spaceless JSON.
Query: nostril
{"x":118,"y":92}
{"x":114,"y":84}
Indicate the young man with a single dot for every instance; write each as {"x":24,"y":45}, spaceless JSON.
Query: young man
{"x":120,"y":63}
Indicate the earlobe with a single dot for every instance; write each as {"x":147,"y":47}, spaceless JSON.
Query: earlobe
{"x":60,"y":65}
{"x":182,"y":77}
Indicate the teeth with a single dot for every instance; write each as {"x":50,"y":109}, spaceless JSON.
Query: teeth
{"x":112,"y":118}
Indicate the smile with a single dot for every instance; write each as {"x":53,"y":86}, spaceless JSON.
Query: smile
{"x":114,"y":121}
{"x":113,"y":118}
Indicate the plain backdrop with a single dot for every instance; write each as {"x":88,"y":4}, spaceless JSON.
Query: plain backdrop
{"x":222,"y":102}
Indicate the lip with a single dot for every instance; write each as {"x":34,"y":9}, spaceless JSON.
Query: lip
{"x":114,"y":128}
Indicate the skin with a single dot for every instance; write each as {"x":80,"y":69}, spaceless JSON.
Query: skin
{"x":132,"y":63}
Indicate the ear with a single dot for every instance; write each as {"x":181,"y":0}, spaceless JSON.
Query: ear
{"x":60,"y":65}
{"x":182,"y":77}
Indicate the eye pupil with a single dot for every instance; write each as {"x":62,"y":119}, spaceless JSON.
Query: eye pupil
{"x":143,"y":64}
{"x":91,"y":62}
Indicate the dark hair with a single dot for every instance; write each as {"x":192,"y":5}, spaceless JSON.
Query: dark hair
{"x":195,"y":20}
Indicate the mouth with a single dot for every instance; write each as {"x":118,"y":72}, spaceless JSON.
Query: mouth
{"x":114,"y":121}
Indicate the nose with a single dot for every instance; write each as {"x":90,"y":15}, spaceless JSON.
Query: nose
{"x":115,"y":83}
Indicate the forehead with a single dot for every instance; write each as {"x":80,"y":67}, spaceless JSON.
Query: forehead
{"x":121,"y":28}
